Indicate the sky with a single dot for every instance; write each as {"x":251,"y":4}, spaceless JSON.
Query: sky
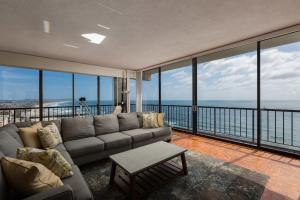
{"x":234,"y":78}
{"x":21,"y":83}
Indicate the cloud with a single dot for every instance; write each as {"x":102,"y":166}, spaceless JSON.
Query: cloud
{"x":235,"y":77}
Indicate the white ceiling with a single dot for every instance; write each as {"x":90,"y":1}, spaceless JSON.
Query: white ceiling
{"x":142,"y":32}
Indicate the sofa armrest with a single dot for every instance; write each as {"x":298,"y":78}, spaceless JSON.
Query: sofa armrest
{"x":167,"y":125}
{"x":64,"y":192}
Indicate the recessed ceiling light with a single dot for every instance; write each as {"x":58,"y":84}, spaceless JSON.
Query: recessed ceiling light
{"x":94,"y":37}
{"x":72,"y":46}
{"x":46,"y":24}
{"x":103,"y":26}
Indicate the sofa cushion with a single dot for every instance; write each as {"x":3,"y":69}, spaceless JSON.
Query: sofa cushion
{"x":128,"y":121}
{"x":24,"y":124}
{"x":31,"y":177}
{"x":84,"y":146}
{"x":49,"y":136}
{"x":56,"y":122}
{"x":161,"y":119}
{"x":161,"y":131}
{"x":30,"y":137}
{"x":76,"y":128}
{"x":80,"y":188}
{"x":106,"y":124}
{"x":12,"y":130}
{"x":140,"y":118}
{"x":115,"y":140}
{"x":63,"y":151}
{"x":50,"y":158}
{"x":8,"y":144}
{"x":139,"y":134}
{"x":150,"y":120}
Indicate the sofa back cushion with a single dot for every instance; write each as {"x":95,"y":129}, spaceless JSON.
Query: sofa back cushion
{"x":106,"y":124}
{"x":76,"y":128}
{"x":8,"y":143}
{"x":140,"y":118}
{"x":56,"y":122}
{"x":12,"y":130}
{"x":128,"y":121}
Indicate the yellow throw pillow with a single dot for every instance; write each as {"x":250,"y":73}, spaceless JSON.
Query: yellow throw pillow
{"x":161,"y":119}
{"x":150,"y":120}
{"x":49,"y":136}
{"x":27,"y":177}
{"x":50,"y":158}
{"x":30,"y":137}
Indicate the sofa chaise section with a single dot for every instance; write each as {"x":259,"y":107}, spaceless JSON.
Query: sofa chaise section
{"x":85,"y":140}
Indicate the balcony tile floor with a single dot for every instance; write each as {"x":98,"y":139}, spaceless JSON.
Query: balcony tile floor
{"x":283,"y":172}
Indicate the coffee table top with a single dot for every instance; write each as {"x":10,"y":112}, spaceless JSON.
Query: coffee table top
{"x":139,"y":159}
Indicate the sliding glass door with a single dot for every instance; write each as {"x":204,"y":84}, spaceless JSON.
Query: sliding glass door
{"x":280,"y":92}
{"x":150,"y":88}
{"x":226,"y":88}
{"x":176,"y":94}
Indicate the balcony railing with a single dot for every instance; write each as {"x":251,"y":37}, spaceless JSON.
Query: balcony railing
{"x":11,"y":115}
{"x":279,"y":128}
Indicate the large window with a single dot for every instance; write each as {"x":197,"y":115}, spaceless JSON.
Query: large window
{"x":86,"y":86}
{"x":280,"y":91}
{"x":150,"y":100}
{"x":227,"y":93}
{"x":106,"y":94}
{"x":176,"y":94}
{"x":57,"y":87}
{"x":132,"y":95}
{"x":106,"y":90}
{"x":19,"y":88}
{"x":57,"y":93}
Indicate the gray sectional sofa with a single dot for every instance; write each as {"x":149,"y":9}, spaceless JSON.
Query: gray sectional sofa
{"x":85,"y":140}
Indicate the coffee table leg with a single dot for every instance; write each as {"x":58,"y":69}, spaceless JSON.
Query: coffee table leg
{"x":184,"y":167}
{"x":112,"y":173}
{"x":131,"y":187}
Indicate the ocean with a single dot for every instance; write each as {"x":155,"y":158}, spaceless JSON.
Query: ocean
{"x":280,"y":125}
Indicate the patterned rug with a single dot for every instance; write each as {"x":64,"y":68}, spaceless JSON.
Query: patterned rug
{"x":207,"y":178}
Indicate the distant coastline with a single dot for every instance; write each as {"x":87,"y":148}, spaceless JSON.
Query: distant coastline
{"x":282,"y":104}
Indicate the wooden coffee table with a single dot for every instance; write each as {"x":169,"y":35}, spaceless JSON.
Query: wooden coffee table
{"x":146,"y":167}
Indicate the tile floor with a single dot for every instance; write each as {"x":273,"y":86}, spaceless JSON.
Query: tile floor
{"x":283,"y":172}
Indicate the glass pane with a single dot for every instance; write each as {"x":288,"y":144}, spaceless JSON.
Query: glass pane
{"x":280,"y":91}
{"x":227,"y":93}
{"x":106,"y":94}
{"x":132,"y":95}
{"x":176,"y":94}
{"x":150,"y":91}
{"x":18,"y":89}
{"x":86,"y":90}
{"x":57,"y":92}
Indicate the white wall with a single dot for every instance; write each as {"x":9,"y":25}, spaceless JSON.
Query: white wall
{"x":36,"y":62}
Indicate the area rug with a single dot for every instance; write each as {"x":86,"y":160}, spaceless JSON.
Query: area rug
{"x":207,"y":178}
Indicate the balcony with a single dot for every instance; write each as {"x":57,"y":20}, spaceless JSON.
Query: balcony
{"x":279,"y":127}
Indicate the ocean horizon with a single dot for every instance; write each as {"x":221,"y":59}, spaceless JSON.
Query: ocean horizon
{"x":271,"y":104}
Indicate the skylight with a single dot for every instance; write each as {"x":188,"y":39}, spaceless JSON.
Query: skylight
{"x":94,"y":37}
